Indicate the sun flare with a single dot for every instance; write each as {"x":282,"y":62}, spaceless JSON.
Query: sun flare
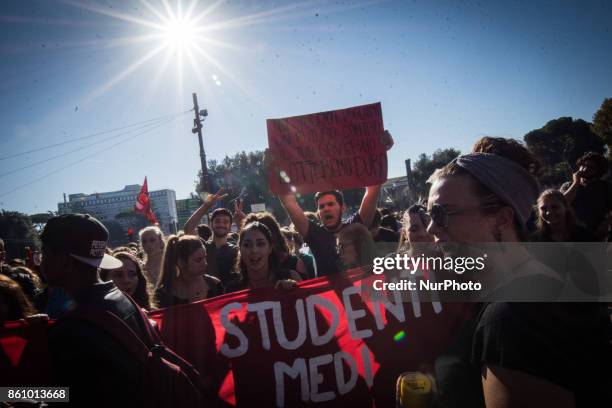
{"x":180,"y":33}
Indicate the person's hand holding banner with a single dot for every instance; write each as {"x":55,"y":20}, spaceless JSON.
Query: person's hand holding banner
{"x":328,"y":150}
{"x":387,"y":140}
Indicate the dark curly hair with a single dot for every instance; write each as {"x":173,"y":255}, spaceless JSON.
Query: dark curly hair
{"x":273,"y":258}
{"x":510,"y":149}
{"x":596,"y":158}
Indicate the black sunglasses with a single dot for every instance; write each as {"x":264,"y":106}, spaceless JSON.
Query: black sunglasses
{"x":440,"y":215}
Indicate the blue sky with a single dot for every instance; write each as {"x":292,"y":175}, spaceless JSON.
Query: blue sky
{"x":445,"y":72}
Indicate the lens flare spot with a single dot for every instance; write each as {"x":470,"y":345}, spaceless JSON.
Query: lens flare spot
{"x":399,"y":336}
{"x":285,"y":176}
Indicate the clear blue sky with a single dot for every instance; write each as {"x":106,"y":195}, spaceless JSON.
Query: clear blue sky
{"x":445,"y":72}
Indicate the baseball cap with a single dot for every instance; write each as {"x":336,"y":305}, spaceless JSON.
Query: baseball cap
{"x":82,"y":237}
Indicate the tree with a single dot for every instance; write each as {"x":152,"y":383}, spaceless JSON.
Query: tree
{"x":17,"y":232}
{"x":244,"y":174}
{"x":558,"y":144}
{"x":116,"y":233}
{"x":117,"y":228}
{"x":602,"y":122}
{"x":40,"y":220}
{"x":425,"y":166}
{"x":563,"y":140}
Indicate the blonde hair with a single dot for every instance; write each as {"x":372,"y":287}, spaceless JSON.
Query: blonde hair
{"x":153,"y":228}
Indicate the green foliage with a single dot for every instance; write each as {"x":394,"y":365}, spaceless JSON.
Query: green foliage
{"x":17,"y":232}
{"x":116,"y":233}
{"x":424,"y":167}
{"x":563,"y":140}
{"x":40,"y":220}
{"x":558,"y":145}
{"x":552,"y":176}
{"x":242,"y":173}
{"x":117,"y":228}
{"x":245,"y":173}
{"x":602,"y":122}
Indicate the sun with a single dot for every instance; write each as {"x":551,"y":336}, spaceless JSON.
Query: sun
{"x":186,"y":35}
{"x":180,"y":33}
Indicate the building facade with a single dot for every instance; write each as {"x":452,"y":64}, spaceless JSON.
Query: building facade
{"x":117,"y":207}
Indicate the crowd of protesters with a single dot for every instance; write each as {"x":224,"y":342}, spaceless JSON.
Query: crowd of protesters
{"x":510,"y":354}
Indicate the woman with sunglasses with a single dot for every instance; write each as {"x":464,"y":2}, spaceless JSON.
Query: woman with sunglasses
{"x":355,"y":247}
{"x":511,"y":354}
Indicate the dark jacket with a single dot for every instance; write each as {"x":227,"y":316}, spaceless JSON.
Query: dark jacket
{"x":97,"y":367}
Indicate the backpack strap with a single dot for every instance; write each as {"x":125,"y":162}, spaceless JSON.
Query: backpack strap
{"x":139,"y":345}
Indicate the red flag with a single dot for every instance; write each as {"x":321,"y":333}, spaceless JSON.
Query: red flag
{"x":143,"y":205}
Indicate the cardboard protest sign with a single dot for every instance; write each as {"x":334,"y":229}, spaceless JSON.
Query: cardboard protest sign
{"x":328,"y":150}
{"x":328,"y":342}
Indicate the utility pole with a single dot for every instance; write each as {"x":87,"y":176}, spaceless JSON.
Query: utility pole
{"x":197,"y":128}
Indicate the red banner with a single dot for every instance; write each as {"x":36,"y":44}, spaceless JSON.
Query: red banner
{"x":328,"y":151}
{"x":326,"y":343}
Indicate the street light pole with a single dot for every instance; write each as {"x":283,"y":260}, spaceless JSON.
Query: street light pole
{"x":197,"y":128}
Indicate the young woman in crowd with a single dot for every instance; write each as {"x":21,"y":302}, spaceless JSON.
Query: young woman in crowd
{"x":414,"y":235}
{"x":14,"y":304}
{"x":28,"y":280}
{"x":131,"y":279}
{"x":557,"y":222}
{"x":281,"y":248}
{"x":511,"y":354}
{"x":183,"y":276}
{"x":355,"y":246}
{"x":295,"y":243}
{"x":258,"y":264}
{"x":152,"y":243}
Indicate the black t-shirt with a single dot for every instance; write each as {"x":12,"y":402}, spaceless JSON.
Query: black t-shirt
{"x":238,"y":282}
{"x":563,"y":343}
{"x":593,"y":201}
{"x":220,"y":260}
{"x":578,"y":234}
{"x":322,"y":243}
{"x":167,"y":299}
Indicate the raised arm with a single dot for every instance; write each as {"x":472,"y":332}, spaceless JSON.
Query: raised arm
{"x":368,"y":204}
{"x":194,"y":220}
{"x":295,"y":213}
{"x":239,"y":215}
{"x":570,"y":193}
{"x":370,"y":198}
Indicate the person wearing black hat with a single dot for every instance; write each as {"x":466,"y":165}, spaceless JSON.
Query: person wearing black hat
{"x":97,"y":368}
